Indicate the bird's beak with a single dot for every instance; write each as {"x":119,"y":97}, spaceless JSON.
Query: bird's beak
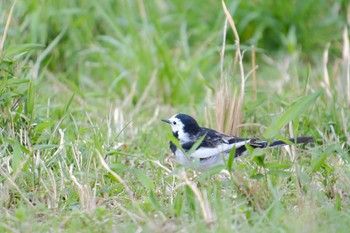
{"x":166,"y":121}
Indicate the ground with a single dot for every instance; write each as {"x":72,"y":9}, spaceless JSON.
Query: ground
{"x":84,"y":85}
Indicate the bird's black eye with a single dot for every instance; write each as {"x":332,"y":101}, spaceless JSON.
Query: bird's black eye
{"x":174,"y":122}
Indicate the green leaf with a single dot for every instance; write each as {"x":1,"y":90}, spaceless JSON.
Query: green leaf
{"x":213,"y":170}
{"x":178,"y":203}
{"x":196,"y":144}
{"x":337,"y":204}
{"x":279,"y":165}
{"x":190,"y":198}
{"x":17,"y":155}
{"x":260,"y":160}
{"x":291,"y":113}
{"x":20,"y":49}
{"x":230,"y":159}
{"x":317,"y":162}
{"x":250,"y":149}
{"x":284,"y":139}
{"x":154,"y":200}
{"x":144,"y":179}
{"x":29,"y":105}
{"x":43,"y":125}
{"x":307,"y":78}
{"x":278,"y":173}
{"x":110,"y":176}
{"x":296,"y":124}
{"x":69,"y":103}
{"x":18,"y":113}
{"x":343,"y":154}
{"x":257,"y":176}
{"x":176,"y":142}
{"x":257,"y":151}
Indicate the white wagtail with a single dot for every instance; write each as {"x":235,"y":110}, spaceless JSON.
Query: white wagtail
{"x":214,"y":146}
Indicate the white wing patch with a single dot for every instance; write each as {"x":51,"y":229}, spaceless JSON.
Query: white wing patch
{"x":206,"y":152}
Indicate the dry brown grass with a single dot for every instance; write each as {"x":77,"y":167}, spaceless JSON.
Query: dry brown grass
{"x":229,"y":100}
{"x":2,"y":42}
{"x":346,"y":63}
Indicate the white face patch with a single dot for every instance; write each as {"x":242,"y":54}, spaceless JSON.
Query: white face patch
{"x":178,"y":128}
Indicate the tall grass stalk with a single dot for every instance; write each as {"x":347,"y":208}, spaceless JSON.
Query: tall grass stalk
{"x":8,"y":21}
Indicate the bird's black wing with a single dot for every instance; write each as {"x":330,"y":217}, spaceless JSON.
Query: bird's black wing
{"x":215,"y":138}
{"x":212,"y":139}
{"x":213,"y":143}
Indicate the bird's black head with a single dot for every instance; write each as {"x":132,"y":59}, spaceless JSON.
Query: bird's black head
{"x":184,"y":127}
{"x":190,"y":125}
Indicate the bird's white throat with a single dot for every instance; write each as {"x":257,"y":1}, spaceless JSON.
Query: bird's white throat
{"x":183,"y":136}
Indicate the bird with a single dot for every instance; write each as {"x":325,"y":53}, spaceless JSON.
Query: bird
{"x":214,"y":147}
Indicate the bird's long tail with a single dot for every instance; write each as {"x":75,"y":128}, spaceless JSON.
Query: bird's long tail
{"x":298,"y":140}
{"x":264,"y":144}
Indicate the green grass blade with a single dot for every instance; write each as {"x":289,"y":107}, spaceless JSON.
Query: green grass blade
{"x":276,"y":165}
{"x":17,"y":50}
{"x":176,"y":142}
{"x":319,"y":161}
{"x":69,"y":103}
{"x":231,"y":158}
{"x":196,"y":145}
{"x":291,"y":113}
{"x":29,"y":104}
{"x":144,"y":180}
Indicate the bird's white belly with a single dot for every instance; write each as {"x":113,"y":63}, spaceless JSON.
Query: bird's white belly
{"x":198,"y":163}
{"x":203,"y":158}
{"x":205,"y":152}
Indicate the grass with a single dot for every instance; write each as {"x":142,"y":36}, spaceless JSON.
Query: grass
{"x":83,"y":86}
